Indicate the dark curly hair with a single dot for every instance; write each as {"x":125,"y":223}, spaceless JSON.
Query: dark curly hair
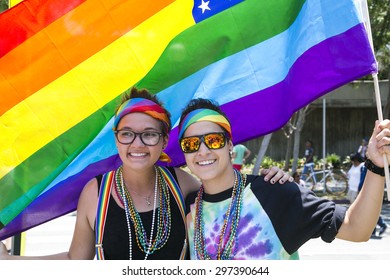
{"x":357,"y":157}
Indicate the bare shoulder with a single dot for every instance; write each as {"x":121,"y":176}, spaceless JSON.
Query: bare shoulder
{"x":187,"y":182}
{"x":88,"y":201}
{"x":90,"y":190}
{"x":83,"y":244}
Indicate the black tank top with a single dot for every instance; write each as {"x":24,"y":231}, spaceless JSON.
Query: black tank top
{"x":116,"y":235}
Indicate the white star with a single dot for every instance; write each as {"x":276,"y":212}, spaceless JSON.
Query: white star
{"x":204,"y":6}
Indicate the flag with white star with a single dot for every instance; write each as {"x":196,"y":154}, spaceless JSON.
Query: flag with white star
{"x":65,"y":64}
{"x":204,"y":9}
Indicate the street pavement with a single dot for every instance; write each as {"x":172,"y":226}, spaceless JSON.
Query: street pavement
{"x":55,"y":236}
{"x":50,"y":238}
{"x":377,"y":248}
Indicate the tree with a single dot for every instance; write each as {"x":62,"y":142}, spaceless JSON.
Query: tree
{"x":261,"y":153}
{"x":3,"y":5}
{"x":379,"y":11}
{"x":288,"y":131}
{"x":300,"y":121}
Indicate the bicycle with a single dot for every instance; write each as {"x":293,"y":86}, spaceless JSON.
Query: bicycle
{"x":333,"y":181}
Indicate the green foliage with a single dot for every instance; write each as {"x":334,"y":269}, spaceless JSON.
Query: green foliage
{"x":3,"y":5}
{"x":333,"y":160}
{"x":379,"y":11}
{"x":269,"y":162}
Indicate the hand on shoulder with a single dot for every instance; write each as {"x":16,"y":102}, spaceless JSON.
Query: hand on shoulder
{"x":275,"y":174}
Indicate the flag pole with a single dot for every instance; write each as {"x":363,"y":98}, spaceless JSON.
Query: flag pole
{"x":366,"y":17}
{"x":380,"y":117}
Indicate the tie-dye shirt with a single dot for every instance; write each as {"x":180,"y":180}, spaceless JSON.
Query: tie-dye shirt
{"x":275,"y":220}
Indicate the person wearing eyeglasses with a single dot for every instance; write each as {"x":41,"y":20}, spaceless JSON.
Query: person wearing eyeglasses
{"x":136,"y":211}
{"x":238,"y":216}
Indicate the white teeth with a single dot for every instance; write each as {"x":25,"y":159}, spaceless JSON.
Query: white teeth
{"x":138,"y":154}
{"x":206,"y":162}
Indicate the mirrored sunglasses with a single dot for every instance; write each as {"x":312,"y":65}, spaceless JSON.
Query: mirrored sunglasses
{"x":214,"y":141}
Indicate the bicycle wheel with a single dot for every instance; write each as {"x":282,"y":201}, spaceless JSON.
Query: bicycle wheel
{"x":336,"y":183}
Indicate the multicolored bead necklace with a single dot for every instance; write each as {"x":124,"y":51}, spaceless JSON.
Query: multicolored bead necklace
{"x":148,"y":246}
{"x":232,"y":216}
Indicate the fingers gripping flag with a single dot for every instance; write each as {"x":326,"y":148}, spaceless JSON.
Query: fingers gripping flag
{"x":64,"y":65}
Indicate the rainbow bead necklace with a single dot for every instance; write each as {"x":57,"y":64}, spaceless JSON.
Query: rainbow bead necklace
{"x":225,"y":250}
{"x":148,"y":246}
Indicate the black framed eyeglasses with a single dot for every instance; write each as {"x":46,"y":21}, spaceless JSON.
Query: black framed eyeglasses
{"x":213,"y":140}
{"x":148,"y":138}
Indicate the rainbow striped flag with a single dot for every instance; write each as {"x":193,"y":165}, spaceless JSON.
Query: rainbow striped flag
{"x":64,"y":65}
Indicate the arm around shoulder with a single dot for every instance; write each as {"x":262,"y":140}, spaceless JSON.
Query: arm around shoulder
{"x":188,"y":183}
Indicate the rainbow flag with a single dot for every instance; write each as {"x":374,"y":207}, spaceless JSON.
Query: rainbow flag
{"x":64,"y":65}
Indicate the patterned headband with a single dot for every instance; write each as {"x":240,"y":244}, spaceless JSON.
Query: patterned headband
{"x":201,"y":115}
{"x":146,"y":106}
{"x":142,"y":105}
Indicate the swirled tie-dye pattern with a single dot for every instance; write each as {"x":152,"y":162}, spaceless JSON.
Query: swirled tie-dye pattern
{"x":257,"y":239}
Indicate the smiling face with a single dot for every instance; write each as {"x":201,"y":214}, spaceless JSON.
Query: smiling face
{"x":137,"y":155}
{"x":212,"y":166}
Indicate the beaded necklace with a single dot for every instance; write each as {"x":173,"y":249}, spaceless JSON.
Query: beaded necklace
{"x":148,"y":246}
{"x":232,"y":215}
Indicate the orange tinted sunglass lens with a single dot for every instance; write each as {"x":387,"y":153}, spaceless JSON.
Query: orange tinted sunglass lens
{"x":190,"y":144}
{"x":214,"y":141}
